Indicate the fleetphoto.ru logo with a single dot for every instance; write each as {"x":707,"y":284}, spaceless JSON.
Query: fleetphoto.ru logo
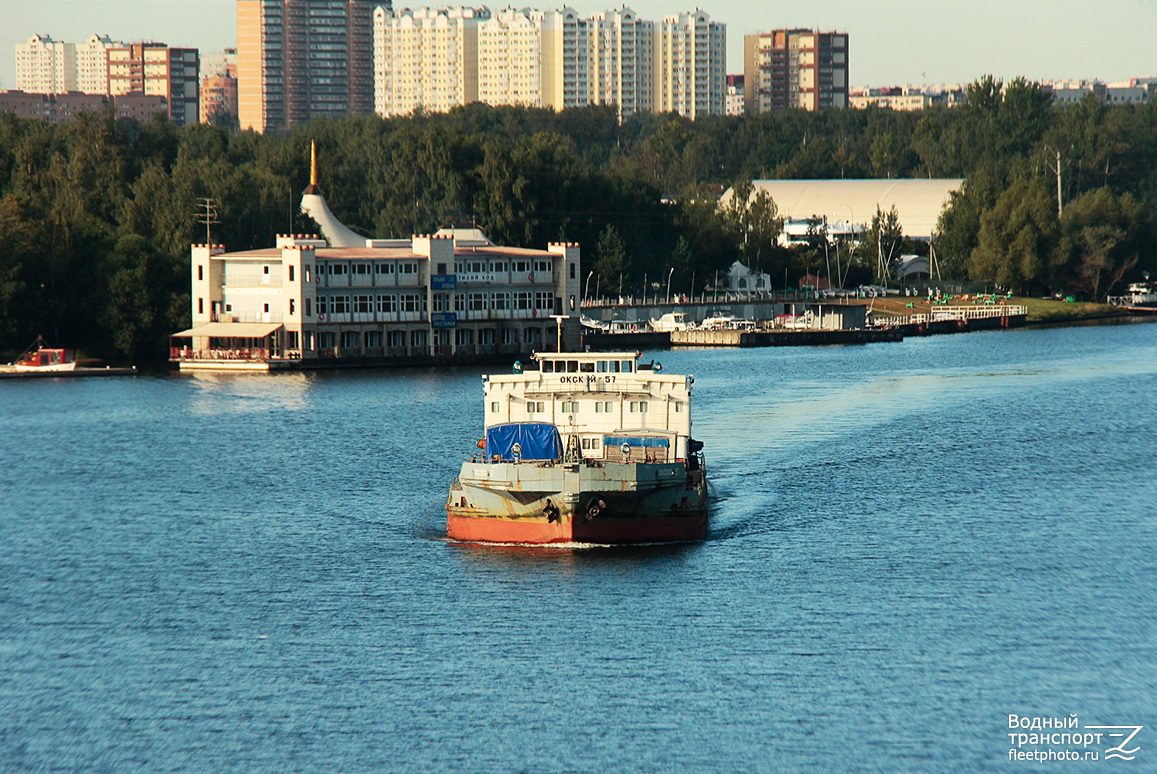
{"x":1065,"y":739}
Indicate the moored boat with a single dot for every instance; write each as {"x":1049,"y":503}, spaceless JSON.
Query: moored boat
{"x":41,"y":359}
{"x":583,"y":448}
{"x":672,"y":321}
{"x":1139,"y":297}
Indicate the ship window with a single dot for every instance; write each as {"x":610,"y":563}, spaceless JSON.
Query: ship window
{"x":586,"y":443}
{"x":548,"y":366}
{"x":587,"y":368}
{"x":572,"y":366}
{"x":495,"y":407}
{"x":628,"y":366}
{"x":570,"y":407}
{"x":535,"y":407}
{"x":678,"y":407}
{"x":291,"y":273}
{"x":200,"y":272}
{"x":601,"y":367}
{"x":638,"y":407}
{"x":595,"y":443}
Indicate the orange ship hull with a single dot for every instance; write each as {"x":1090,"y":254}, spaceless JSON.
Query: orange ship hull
{"x":534,"y":531}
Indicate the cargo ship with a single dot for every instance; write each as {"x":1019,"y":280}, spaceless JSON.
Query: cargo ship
{"x":583,"y":448}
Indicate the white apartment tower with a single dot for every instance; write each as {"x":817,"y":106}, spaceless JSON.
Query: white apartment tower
{"x":535,"y":58}
{"x":690,"y":60}
{"x":437,"y":59}
{"x":45,"y":66}
{"x":425,"y":58}
{"x":621,"y":61}
{"x":92,"y":64}
{"x":510,"y":64}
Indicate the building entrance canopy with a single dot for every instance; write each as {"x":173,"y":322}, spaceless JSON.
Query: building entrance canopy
{"x":222,"y":330}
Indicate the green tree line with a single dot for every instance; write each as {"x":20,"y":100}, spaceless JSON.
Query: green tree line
{"x":97,"y":214}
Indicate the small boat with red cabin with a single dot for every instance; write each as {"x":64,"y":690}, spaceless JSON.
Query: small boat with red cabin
{"x":44,"y":359}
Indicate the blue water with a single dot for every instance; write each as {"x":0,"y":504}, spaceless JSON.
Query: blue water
{"x":909,"y":542}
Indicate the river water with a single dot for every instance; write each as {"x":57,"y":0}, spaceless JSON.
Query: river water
{"x":909,"y":543}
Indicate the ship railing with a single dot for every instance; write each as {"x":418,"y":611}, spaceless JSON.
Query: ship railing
{"x":188,"y":353}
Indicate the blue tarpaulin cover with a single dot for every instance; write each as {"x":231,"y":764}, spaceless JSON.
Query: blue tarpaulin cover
{"x":536,"y":441}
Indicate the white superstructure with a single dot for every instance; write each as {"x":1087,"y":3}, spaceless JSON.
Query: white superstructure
{"x":593,"y":396}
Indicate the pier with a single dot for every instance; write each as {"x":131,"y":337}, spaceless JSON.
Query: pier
{"x":739,"y":338}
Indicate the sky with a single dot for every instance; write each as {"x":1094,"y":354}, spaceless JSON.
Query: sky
{"x":892,"y":42}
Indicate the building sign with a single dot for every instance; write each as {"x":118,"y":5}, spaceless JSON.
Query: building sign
{"x":476,"y":277}
{"x":443,"y":282}
{"x":444,"y":320}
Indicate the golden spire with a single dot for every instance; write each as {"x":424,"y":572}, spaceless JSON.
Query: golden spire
{"x":312,"y":187}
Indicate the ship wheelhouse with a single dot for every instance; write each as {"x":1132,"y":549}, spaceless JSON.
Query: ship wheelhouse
{"x":607,"y":406}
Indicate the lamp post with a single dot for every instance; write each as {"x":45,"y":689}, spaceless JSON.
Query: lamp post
{"x":587,"y":286}
{"x":669,"y":284}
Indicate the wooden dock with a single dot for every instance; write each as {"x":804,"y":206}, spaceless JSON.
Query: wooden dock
{"x":738,"y":338}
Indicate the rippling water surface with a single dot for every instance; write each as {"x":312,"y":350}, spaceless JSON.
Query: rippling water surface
{"x":909,"y":542}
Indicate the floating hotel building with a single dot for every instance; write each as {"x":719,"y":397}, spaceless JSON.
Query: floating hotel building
{"x":313,"y":302}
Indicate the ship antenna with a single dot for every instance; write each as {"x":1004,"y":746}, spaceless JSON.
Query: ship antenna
{"x":313,"y":162}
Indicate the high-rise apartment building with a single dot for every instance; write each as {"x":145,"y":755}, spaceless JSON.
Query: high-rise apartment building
{"x":437,"y":59}
{"x":622,"y":55}
{"x":92,"y":64}
{"x":425,"y":58}
{"x":795,"y":68}
{"x":510,"y":65}
{"x":45,"y":66}
{"x":154,"y":69}
{"x":690,"y":65}
{"x":300,"y":59}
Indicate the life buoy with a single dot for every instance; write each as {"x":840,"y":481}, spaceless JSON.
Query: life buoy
{"x":321,"y":316}
{"x":530,"y":277}
{"x":534,"y":313}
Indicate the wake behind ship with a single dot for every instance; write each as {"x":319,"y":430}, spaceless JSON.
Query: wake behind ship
{"x":583,"y":448}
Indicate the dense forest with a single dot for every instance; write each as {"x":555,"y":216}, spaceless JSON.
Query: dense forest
{"x":97,"y":215}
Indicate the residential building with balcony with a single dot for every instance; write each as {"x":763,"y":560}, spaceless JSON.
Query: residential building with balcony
{"x":92,"y":64}
{"x":300,"y":59}
{"x":690,"y":65}
{"x":795,"y":68}
{"x":45,"y":66}
{"x":425,"y":58}
{"x":156,"y":70}
{"x":622,"y":60}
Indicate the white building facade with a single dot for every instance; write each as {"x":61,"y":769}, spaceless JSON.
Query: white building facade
{"x":92,"y":64}
{"x":690,"y":65}
{"x":510,"y":58}
{"x":622,"y":57}
{"x":425,"y":58}
{"x":447,"y":295}
{"x":439,"y":59}
{"x":45,"y":66}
